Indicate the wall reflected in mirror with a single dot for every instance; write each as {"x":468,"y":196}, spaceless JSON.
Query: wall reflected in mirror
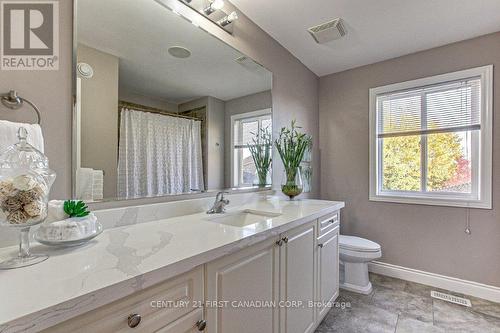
{"x":163,"y":107}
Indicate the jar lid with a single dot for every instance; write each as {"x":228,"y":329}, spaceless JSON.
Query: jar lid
{"x":22,"y":155}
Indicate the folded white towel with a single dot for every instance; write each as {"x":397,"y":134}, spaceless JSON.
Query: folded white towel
{"x":84,"y":183}
{"x":55,"y":211}
{"x":97,"y":185}
{"x":8,"y":134}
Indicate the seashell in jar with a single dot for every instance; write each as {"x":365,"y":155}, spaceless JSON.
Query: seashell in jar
{"x":17,"y":217}
{"x":6,"y":189}
{"x":24,"y":182}
{"x":11,"y":204}
{"x":34,"y":208}
{"x":39,"y":191}
{"x":26,"y":197}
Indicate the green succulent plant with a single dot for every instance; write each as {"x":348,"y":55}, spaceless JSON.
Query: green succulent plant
{"x":76,"y":208}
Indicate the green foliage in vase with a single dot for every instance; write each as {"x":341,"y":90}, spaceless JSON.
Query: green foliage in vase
{"x":75,"y":208}
{"x":261,"y":153}
{"x":291,"y":145}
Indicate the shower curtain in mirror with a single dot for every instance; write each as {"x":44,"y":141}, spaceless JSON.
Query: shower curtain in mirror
{"x":158,"y":155}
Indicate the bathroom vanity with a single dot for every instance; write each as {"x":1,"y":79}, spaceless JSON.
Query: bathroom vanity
{"x":157,"y":269}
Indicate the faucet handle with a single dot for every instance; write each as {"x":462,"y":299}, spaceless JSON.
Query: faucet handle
{"x":221,"y":194}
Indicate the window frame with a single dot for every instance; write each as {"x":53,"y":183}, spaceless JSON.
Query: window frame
{"x":252,"y":115}
{"x":483,"y":197}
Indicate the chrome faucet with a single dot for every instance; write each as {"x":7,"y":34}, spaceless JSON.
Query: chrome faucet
{"x":219,"y":204}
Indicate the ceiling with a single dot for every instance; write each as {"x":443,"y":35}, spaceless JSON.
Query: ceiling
{"x":376,"y":30}
{"x":139,"y":33}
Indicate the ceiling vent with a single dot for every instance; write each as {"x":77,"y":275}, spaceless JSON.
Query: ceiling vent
{"x":328,"y":31}
{"x":250,"y":64}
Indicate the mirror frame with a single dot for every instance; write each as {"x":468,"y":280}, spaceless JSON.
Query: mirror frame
{"x":189,"y":14}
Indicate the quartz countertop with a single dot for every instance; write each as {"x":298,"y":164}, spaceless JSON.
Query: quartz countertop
{"x":124,"y":260}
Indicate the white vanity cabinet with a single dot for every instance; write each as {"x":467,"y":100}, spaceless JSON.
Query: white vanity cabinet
{"x":250,"y":275}
{"x":298,"y":279}
{"x":328,"y":270}
{"x":297,"y":272}
{"x":168,"y":307}
{"x":280,"y":285}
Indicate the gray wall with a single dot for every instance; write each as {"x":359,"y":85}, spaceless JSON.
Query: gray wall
{"x":51,"y":91}
{"x":294,"y":91}
{"x":254,"y":102}
{"x":421,"y":237}
{"x":99,"y":116}
{"x":215,"y":144}
{"x":132,"y":97}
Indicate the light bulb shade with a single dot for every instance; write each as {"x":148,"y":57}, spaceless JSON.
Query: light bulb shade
{"x":217,"y":4}
{"x":232,"y":17}
{"x":228,"y":19}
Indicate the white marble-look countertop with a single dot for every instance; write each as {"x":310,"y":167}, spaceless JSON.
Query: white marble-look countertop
{"x":126,"y":259}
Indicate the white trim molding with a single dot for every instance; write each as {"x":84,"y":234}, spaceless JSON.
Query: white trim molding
{"x":471,"y":288}
{"x":481,"y":161}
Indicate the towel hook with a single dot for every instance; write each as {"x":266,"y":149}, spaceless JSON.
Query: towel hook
{"x":13,"y":101}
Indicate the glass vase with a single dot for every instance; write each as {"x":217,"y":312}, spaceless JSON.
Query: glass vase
{"x":292,"y":184}
{"x":261,"y":178}
{"x":25,"y":181}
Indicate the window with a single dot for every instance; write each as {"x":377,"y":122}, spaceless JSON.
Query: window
{"x":244,"y":129}
{"x":430,"y":140}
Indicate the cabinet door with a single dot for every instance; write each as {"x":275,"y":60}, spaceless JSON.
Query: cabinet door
{"x":186,"y":324}
{"x":298,"y":277}
{"x":241,"y":290}
{"x":328,"y":270}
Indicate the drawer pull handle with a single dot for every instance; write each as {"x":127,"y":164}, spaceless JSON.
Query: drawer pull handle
{"x":134,"y":320}
{"x":320,"y":245}
{"x":279,"y":242}
{"x":285,"y":239}
{"x":201,"y":324}
{"x":333,"y":220}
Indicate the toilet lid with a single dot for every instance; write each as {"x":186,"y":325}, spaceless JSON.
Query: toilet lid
{"x":358,"y":244}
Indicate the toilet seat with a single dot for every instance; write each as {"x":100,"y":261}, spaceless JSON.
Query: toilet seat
{"x":357,"y":244}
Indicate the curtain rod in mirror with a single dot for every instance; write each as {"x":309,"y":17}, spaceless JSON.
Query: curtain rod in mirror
{"x":144,"y":108}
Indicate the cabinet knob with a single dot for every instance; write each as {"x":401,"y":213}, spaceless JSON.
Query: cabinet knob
{"x":134,"y":320}
{"x":285,"y":239}
{"x":332,"y":221}
{"x":201,"y":324}
{"x":279,"y":242}
{"x":320,"y":245}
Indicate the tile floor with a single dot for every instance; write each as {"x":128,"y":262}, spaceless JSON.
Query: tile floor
{"x":400,"y":306}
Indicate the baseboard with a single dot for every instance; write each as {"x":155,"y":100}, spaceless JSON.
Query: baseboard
{"x":471,"y":288}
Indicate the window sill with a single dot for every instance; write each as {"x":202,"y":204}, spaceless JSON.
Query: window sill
{"x":435,"y":201}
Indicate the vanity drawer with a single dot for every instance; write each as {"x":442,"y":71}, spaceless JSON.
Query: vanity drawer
{"x":154,"y":308}
{"x":328,"y":222}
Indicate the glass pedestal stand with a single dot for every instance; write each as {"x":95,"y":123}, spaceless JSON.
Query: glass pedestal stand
{"x":24,"y":258}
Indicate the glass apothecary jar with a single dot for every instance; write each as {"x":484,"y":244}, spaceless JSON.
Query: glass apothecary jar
{"x":25,"y":182}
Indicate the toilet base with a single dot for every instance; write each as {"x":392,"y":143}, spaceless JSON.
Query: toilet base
{"x":354,"y":277}
{"x":357,"y":289}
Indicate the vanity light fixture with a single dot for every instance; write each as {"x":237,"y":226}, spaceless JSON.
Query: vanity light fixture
{"x":213,"y":6}
{"x":228,"y":19}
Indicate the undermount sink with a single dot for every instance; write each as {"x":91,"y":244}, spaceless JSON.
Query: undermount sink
{"x":242,"y":218}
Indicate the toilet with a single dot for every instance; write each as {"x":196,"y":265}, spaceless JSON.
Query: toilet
{"x":355,"y":253}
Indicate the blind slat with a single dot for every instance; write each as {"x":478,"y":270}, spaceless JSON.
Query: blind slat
{"x":447,"y":107}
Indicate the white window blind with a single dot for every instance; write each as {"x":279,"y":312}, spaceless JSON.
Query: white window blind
{"x":439,"y":108}
{"x":431,"y":140}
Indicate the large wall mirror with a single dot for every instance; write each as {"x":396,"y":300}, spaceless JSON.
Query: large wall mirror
{"x":162,"y":107}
